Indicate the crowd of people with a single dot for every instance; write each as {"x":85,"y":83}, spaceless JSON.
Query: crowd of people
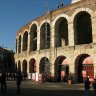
{"x":12,"y":76}
{"x":16,"y":76}
{"x":19,"y":77}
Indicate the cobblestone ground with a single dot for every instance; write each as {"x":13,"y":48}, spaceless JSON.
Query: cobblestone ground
{"x":29,"y":88}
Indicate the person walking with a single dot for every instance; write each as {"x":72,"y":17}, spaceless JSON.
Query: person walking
{"x":3,"y":83}
{"x":87,"y":86}
{"x":94,"y":86}
{"x":18,"y":81}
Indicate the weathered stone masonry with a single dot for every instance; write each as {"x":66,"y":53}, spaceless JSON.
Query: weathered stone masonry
{"x":71,"y":38}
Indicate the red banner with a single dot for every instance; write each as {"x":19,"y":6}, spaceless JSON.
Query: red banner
{"x":84,"y":73}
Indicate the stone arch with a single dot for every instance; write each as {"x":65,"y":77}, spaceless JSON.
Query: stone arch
{"x":19,"y":44}
{"x":24,"y":67}
{"x":33,"y":37}
{"x":34,"y":22}
{"x":61,"y":32}
{"x":82,"y":28}
{"x":21,"y":35}
{"x":89,"y":11}
{"x":44,"y":68}
{"x":61,"y":68}
{"x":25,"y":40}
{"x":44,"y":21}
{"x":32,"y":65}
{"x":84,"y":67}
{"x":59,"y":16}
{"x":19,"y":66}
{"x":45,"y":36}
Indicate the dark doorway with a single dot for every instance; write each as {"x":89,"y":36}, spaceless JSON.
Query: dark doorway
{"x":82,"y":28}
{"x":45,"y":36}
{"x":44,"y":68}
{"x":25,"y":41}
{"x":32,"y":66}
{"x":61,"y":32}
{"x":61,"y":68}
{"x":81,"y":68}
{"x":24,"y":67}
{"x":33,"y":38}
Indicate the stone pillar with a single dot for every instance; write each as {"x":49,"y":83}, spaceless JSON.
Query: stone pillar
{"x":72,"y":70}
{"x":28,"y":46}
{"x":70,"y":33}
{"x":94,"y":62}
{"x":52,"y":59}
{"x":21,"y":66}
{"x":17,"y":45}
{"x":38,"y":38}
{"x":94,"y":28}
{"x":21,"y":43}
{"x":52,"y":69}
{"x":52,"y":31}
{"x":37,"y":65}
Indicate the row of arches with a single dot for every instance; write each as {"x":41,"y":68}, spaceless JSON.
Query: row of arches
{"x":83,"y":67}
{"x":82,"y":25}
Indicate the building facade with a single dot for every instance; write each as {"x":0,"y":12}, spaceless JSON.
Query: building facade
{"x":7,"y":61}
{"x":60,"y":42}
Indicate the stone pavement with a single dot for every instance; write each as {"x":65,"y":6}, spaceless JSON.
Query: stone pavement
{"x":29,"y":88}
{"x":58,"y":86}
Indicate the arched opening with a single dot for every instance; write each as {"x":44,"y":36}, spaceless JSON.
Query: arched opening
{"x":24,"y":70}
{"x":61,"y":68}
{"x":44,"y":68}
{"x":82,"y":28}
{"x":84,"y":68}
{"x":61,"y":32}
{"x":25,"y":41}
{"x":19,"y":45}
{"x":45,"y":36}
{"x":19,"y":66}
{"x":32,"y":66}
{"x":33,"y":38}
{"x":88,"y":69}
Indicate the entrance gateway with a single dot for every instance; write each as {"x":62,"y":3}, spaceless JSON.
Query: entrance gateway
{"x":84,"y":68}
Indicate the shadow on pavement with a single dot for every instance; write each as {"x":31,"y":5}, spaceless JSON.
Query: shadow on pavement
{"x":40,"y":92}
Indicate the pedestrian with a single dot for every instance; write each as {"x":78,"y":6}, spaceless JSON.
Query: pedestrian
{"x":18,"y":81}
{"x":87,"y":86}
{"x":65,"y":78}
{"x":94,"y":86}
{"x":70,"y":78}
{"x":3,"y":83}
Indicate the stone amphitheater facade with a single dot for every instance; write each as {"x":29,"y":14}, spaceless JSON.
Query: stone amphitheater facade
{"x":60,"y":43}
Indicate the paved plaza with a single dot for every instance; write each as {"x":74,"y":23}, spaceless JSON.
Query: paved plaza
{"x":29,"y":88}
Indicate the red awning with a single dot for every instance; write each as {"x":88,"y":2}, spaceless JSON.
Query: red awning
{"x":88,"y":60}
{"x":65,"y":62}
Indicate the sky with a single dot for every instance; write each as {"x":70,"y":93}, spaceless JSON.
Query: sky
{"x":14,"y":14}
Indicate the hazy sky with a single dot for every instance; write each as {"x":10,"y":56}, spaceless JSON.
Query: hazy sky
{"x":16,"y":13}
